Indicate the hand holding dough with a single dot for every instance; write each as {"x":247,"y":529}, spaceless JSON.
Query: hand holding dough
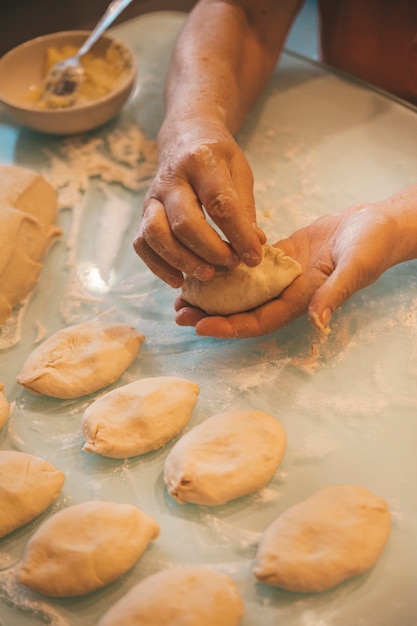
{"x":242,"y":288}
{"x":80,"y":359}
{"x":28,"y":210}
{"x":28,"y":486}
{"x":194,"y":596}
{"x":336,"y":533}
{"x":139,"y":417}
{"x":227,"y":456}
{"x":84,"y":547}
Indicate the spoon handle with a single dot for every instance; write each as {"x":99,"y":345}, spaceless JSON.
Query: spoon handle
{"x":113,"y":10}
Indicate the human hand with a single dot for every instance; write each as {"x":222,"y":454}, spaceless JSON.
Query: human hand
{"x":200,"y":166}
{"x":339,"y":253}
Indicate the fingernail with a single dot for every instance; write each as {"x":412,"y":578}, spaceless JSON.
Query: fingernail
{"x":203,"y":272}
{"x":325,"y":316}
{"x":251,"y":259}
{"x":325,"y":319}
{"x":173,"y":281}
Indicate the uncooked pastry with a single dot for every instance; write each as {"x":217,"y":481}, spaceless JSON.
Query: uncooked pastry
{"x":28,"y":210}
{"x":81,"y":359}
{"x":194,"y":596}
{"x":139,"y":417}
{"x":243,"y":288}
{"x":84,"y":547}
{"x":4,"y":407}
{"x":227,"y":456}
{"x":335,"y":534}
{"x":28,"y":486}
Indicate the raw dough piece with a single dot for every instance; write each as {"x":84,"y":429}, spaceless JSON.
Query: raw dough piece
{"x":4,"y":407}
{"x":228,"y":456}
{"x":192,"y":596}
{"x":28,"y":486}
{"x":81,"y":359}
{"x":85,"y":547}
{"x":335,"y":534}
{"x":28,"y":210}
{"x":139,"y":417}
{"x":243,"y":288}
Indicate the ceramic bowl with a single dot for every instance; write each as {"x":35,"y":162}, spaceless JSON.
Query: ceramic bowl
{"x":22,"y":71}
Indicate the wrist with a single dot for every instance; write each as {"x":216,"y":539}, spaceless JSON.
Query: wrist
{"x":401,"y":212}
{"x":190,"y":129}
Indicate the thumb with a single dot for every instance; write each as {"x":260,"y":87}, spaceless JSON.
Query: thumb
{"x":338,"y":288}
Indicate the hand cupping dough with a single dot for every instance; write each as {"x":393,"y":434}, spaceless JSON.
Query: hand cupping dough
{"x":80,"y":359}
{"x":335,"y":534}
{"x":28,"y":210}
{"x":227,"y":456}
{"x":139,"y":417}
{"x":242,"y":288}
{"x":28,"y":486}
{"x":85,"y":547}
{"x":197,"y":596}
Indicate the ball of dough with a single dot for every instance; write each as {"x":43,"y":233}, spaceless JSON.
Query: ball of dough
{"x":28,"y":486}
{"x":84,"y":547}
{"x":335,"y":534}
{"x":225,"y":457}
{"x":80,"y":359}
{"x":243,"y":288}
{"x":28,"y":210}
{"x":139,"y":417}
{"x":194,"y":596}
{"x":4,"y":407}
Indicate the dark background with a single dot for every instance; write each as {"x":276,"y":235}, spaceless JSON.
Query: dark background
{"x":21,"y":20}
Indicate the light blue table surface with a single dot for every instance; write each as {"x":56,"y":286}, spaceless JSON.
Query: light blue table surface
{"x":317,"y":142}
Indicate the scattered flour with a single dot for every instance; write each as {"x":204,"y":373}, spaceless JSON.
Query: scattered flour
{"x":19,"y":596}
{"x":124,"y":156}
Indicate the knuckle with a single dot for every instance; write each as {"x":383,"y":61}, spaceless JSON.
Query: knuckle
{"x":221,"y":207}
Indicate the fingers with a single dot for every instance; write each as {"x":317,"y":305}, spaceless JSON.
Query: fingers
{"x":225,"y":189}
{"x":261,"y":321}
{"x":164,"y":253}
{"x":177,"y":235}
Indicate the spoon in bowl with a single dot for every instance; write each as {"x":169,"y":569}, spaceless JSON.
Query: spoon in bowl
{"x":65,"y":77}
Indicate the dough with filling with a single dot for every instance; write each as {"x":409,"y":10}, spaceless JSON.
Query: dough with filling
{"x":335,"y":534}
{"x":28,"y":210}
{"x":139,"y":417}
{"x":227,"y":456}
{"x":4,"y":407}
{"x":81,"y":359}
{"x":243,"y":288}
{"x":28,"y":486}
{"x":84,"y":547}
{"x":194,"y":596}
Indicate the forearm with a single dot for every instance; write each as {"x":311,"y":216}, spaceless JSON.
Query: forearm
{"x":223,"y":58}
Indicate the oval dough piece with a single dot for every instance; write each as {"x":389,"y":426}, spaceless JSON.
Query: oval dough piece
{"x":335,"y":534}
{"x":139,"y":417}
{"x":228,"y":456}
{"x":85,"y":547}
{"x":81,"y":359}
{"x":4,"y":407}
{"x":194,"y":596}
{"x":28,"y":486}
{"x":28,"y":210}
{"x":243,"y":288}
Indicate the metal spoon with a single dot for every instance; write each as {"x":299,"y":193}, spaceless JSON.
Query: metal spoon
{"x":65,"y":77}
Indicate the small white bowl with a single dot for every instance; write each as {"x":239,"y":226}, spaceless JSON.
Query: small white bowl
{"x":23,"y":67}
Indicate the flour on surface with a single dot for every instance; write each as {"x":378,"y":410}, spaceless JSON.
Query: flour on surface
{"x":124,"y":156}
